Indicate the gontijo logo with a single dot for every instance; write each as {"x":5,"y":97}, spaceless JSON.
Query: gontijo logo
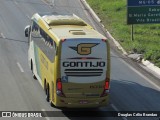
{"x":84,"y":48}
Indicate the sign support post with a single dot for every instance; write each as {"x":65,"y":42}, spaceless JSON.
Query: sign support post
{"x":132,"y":33}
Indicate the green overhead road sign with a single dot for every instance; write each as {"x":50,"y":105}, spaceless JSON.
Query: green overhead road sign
{"x":142,"y":15}
{"x":143,"y":11}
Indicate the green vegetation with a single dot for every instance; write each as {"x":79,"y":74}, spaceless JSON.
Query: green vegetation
{"x":113,"y":14}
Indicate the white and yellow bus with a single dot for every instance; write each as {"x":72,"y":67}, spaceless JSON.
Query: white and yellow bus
{"x":70,"y":60}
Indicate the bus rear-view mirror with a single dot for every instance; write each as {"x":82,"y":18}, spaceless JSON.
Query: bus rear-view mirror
{"x":27,"y":30}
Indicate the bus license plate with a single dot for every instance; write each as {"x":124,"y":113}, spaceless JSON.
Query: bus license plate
{"x":83,"y":101}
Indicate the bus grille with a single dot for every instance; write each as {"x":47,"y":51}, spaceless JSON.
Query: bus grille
{"x":83,"y":72}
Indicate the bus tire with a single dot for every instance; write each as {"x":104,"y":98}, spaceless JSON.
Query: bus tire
{"x":45,"y":88}
{"x":47,"y":95}
{"x":51,"y":104}
{"x":34,"y":77}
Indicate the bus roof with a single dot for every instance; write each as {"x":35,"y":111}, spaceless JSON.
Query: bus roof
{"x":67,"y":26}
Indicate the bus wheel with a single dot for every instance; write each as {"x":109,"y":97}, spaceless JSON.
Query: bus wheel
{"x":51,"y":104}
{"x":47,"y":95}
{"x":32,"y":71}
{"x":34,"y":77}
{"x":45,"y":88}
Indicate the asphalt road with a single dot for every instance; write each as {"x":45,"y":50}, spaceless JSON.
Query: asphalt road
{"x":131,"y":90}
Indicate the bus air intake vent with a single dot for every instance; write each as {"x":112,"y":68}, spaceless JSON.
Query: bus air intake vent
{"x":77,"y":32}
{"x":63,"y":20}
{"x":83,"y":72}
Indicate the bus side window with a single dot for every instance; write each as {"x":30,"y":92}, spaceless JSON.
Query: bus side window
{"x":35,"y":31}
{"x":51,"y":43}
{"x":45,"y":36}
{"x":33,"y":26}
{"x":48,"y":40}
{"x":52,"y":49}
{"x":41,"y":32}
{"x":46,"y":43}
{"x":54,"y":45}
{"x":36,"y":28}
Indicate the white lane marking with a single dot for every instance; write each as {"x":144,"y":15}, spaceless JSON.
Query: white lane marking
{"x":20,"y":67}
{"x":43,"y":110}
{"x":147,"y":79}
{"x":116,"y":109}
{"x":3,"y":35}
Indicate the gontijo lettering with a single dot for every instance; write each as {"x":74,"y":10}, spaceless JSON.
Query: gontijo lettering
{"x":84,"y":64}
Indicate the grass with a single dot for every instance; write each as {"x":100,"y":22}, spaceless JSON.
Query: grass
{"x":113,"y":14}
